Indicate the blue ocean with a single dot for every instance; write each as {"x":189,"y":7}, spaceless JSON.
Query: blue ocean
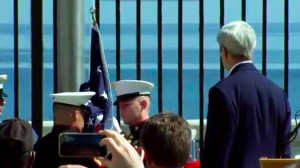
{"x":275,"y":66}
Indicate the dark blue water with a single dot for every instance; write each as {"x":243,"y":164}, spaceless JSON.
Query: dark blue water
{"x":149,"y":60}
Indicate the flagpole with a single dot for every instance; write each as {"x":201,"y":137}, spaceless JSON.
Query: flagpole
{"x":93,"y":13}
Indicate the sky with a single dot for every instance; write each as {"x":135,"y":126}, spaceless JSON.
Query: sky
{"x":149,"y":11}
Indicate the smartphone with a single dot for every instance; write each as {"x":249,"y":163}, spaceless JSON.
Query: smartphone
{"x":81,"y":145}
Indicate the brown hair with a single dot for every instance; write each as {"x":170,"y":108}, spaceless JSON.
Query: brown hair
{"x":166,"y":139}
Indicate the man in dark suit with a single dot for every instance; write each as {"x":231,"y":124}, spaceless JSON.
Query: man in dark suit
{"x":248,"y":115}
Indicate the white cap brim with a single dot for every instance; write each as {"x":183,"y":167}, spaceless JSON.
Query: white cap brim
{"x":73,"y":98}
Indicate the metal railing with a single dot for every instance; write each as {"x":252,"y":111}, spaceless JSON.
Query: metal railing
{"x":37,"y":53}
{"x":36,"y":61}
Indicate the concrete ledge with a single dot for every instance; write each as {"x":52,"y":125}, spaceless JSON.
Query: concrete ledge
{"x":194,"y":124}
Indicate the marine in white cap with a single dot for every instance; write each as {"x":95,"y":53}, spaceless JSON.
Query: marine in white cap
{"x":70,"y":115}
{"x":70,"y":109}
{"x":133,"y":100}
{"x":3,"y":79}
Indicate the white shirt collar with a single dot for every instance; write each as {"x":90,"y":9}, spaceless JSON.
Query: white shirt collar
{"x":239,"y":63}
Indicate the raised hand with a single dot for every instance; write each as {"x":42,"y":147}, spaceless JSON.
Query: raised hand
{"x":123,"y":153}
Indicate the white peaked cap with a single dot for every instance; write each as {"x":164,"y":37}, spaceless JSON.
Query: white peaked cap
{"x":3,"y":79}
{"x":124,"y":87}
{"x":73,"y":98}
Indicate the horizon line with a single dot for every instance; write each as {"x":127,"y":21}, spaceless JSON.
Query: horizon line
{"x":150,"y":23}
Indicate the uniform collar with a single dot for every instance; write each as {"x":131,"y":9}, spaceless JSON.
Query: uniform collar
{"x":63,"y":128}
{"x":136,"y":129}
{"x":139,"y":125}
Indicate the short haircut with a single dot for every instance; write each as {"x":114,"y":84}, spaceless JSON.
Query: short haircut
{"x":166,"y":139}
{"x":238,"y":37}
{"x":65,"y":108}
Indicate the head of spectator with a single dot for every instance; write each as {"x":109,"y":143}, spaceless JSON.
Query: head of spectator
{"x":16,"y":144}
{"x":133,"y":100}
{"x":3,"y":79}
{"x":237,"y":41}
{"x":166,"y":140}
{"x":70,"y":109}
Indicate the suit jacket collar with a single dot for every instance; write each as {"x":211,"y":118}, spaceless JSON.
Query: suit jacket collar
{"x":242,"y":62}
{"x":243,"y":67}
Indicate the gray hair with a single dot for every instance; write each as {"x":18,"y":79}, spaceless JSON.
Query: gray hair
{"x":238,"y":38}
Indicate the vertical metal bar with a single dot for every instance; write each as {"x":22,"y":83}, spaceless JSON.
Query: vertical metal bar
{"x":159,"y":54}
{"x":118,"y":47}
{"x":138,"y":39}
{"x":264,"y":38}
{"x":37,"y":65}
{"x":97,"y":6}
{"x":118,"y":39}
{"x":244,"y":10}
{"x":55,"y":45}
{"x":222,"y":8}
{"x":286,"y":46}
{"x":201,"y":75}
{"x":180,"y":87}
{"x":16,"y":59}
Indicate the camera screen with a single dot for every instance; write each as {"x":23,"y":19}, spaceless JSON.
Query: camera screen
{"x":81,"y":145}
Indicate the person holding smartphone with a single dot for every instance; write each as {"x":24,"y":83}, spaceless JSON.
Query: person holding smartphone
{"x":165,"y":138}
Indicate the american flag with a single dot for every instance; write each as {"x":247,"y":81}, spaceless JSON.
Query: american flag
{"x":101,"y":104}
